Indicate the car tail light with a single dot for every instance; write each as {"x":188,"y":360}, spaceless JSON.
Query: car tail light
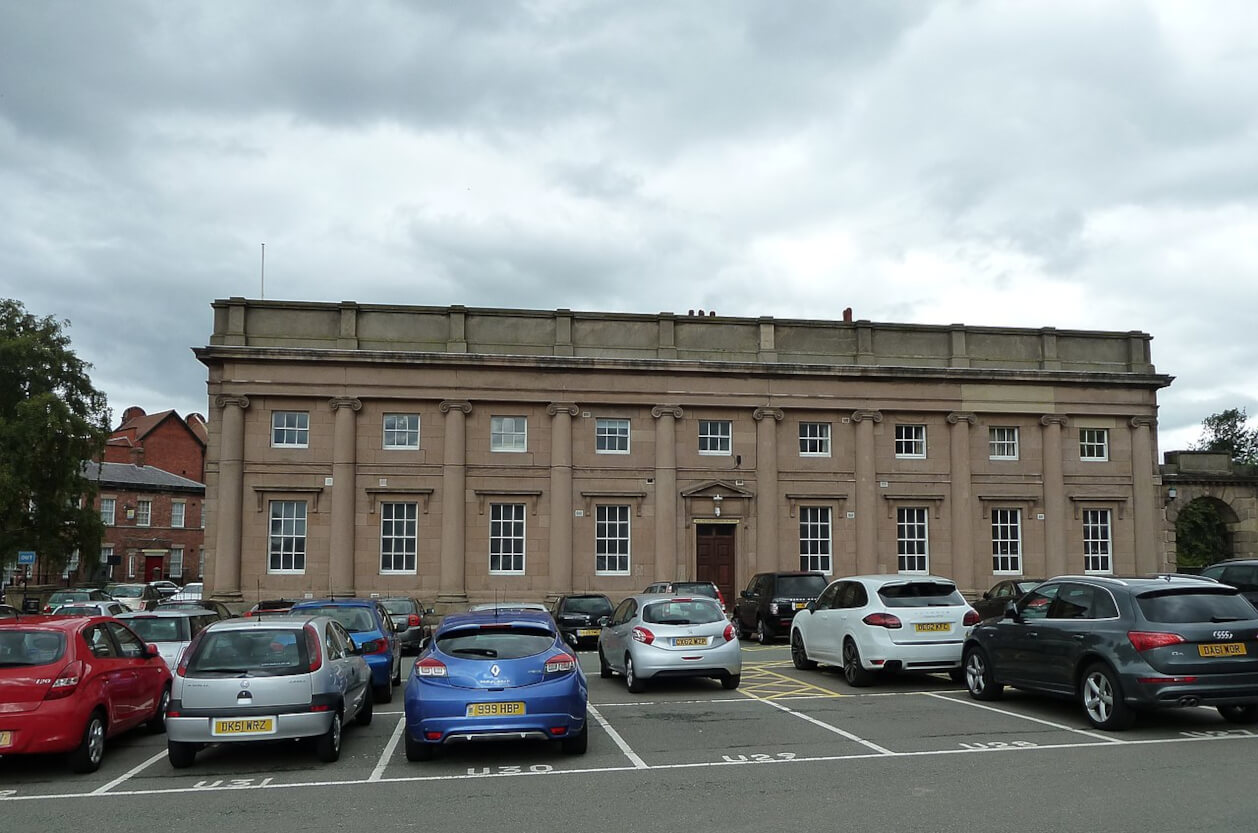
{"x":1147,"y":641}
{"x":643,"y":635}
{"x":971,"y":618}
{"x":1165,"y":680}
{"x":47,"y":608}
{"x":66,"y":682}
{"x":375,"y":646}
{"x":412,"y":621}
{"x":430,"y":667}
{"x":560,"y":663}
{"x":883,"y":620}
{"x":729,"y":633}
{"x":312,"y":648}
{"x":720,"y":597}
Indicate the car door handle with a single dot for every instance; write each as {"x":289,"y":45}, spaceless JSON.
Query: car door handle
{"x":1033,"y":634}
{"x":1079,"y":636}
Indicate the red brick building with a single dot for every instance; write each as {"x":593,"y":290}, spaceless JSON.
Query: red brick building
{"x":162,"y":440}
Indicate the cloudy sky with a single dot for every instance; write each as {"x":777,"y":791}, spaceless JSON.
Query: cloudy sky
{"x":1088,"y":164}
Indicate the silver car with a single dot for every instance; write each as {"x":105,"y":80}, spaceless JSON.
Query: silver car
{"x":170,"y":630}
{"x":651,"y":636}
{"x":267,"y":679}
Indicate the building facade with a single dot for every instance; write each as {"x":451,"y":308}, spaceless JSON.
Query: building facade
{"x":473,"y":454}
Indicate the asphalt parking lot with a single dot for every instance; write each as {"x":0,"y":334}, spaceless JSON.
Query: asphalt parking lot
{"x":807,"y":738}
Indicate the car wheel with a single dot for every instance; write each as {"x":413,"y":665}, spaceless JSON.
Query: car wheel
{"x":853,"y":671}
{"x":1103,"y":699}
{"x":604,"y":670}
{"x":730,"y":681}
{"x":636,"y":684}
{"x":383,"y":693}
{"x":740,"y":630}
{"x":978,"y":676}
{"x":576,"y":744}
{"x":417,"y":750}
{"x":799,"y":655}
{"x":1246,"y":714}
{"x":366,"y":711}
{"x":157,"y":723}
{"x":86,"y":757}
{"x":180,"y":755}
{"x":328,"y":746}
{"x":762,"y":632}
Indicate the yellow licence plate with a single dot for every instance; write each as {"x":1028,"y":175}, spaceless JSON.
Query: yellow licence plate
{"x":588,"y":632}
{"x":690,"y":641}
{"x":248,"y":726}
{"x":1222,"y":649}
{"x":494,"y":709}
{"x":933,"y":627}
{"x":800,"y":605}
{"x":6,"y":740}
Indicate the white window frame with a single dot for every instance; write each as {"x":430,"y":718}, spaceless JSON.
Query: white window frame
{"x":106,"y":552}
{"x":909,"y":437}
{"x":178,"y":514}
{"x":716,"y":437}
{"x":292,"y":527}
{"x":816,"y":538}
{"x":611,"y":431}
{"x":403,"y":438}
{"x":1094,"y":445}
{"x":108,"y":511}
{"x":509,"y":434}
{"x":290,"y":429}
{"x":1098,"y":542}
{"x":910,"y":544}
{"x":1002,"y":442}
{"x":814,"y":439}
{"x":175,"y":568}
{"x":1006,"y":541}
{"x":144,"y":512}
{"x":507,"y":538}
{"x":391,"y":538}
{"x":612,"y":535}
{"x":131,"y":565}
{"x":201,"y":564}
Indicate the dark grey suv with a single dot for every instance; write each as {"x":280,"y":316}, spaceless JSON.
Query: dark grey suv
{"x":768,"y":605}
{"x":1241,"y":573}
{"x":1122,"y":645}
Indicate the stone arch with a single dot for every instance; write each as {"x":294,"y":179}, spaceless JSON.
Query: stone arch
{"x":1227,"y":515}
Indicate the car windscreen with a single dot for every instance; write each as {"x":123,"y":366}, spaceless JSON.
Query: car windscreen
{"x":126,"y":591}
{"x":682,"y":612}
{"x":494,"y":642}
{"x":259,"y":652}
{"x":1193,"y":605}
{"x":355,"y":619}
{"x":920,"y":594}
{"x":593,"y":605}
{"x":801,"y":587}
{"x":401,"y":606}
{"x":21,"y":647}
{"x":699,"y":588}
{"x":1027,"y":586}
{"x":77,"y":610}
{"x":160,"y":628}
{"x":63,"y":596}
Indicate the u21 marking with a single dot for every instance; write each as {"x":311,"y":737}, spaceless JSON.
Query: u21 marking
{"x":1000,"y":744}
{"x":510,"y":770}
{"x":231,"y":783}
{"x":758,"y":757}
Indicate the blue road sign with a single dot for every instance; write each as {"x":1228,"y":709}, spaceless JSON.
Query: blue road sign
{"x":26,"y":556}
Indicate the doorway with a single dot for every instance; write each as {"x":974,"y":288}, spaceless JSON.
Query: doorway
{"x":714,"y":556}
{"x":153,"y":567}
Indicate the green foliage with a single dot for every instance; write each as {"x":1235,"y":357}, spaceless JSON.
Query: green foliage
{"x":1228,"y":432}
{"x":1201,"y":536}
{"x":52,"y":421}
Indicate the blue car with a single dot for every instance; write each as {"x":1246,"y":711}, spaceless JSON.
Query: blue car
{"x":495,"y":675}
{"x":372,"y":631}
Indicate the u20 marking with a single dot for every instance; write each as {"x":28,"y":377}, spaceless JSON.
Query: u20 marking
{"x":509,"y":770}
{"x":1000,"y":744}
{"x":758,"y":757}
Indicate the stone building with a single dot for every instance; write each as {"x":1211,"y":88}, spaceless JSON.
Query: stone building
{"x":468,"y":454}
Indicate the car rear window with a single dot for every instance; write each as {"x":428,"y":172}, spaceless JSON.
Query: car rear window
{"x":63,"y":596}
{"x":160,"y":628}
{"x":77,"y":610}
{"x":355,"y":619}
{"x":398,"y":605}
{"x":257,"y":652}
{"x":20,"y":647}
{"x":687,"y":612}
{"x":494,"y":642}
{"x":1193,"y":605}
{"x":126,"y":591}
{"x":801,"y":587}
{"x":920,"y":594}
{"x":700,"y":588}
{"x":595,"y":605}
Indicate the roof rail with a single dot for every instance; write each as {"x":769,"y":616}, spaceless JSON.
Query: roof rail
{"x":1169,"y":576}
{"x":1110,"y":579}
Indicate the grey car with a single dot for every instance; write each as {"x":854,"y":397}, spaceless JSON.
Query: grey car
{"x":651,"y":636}
{"x":410,"y":620}
{"x":244,"y":680}
{"x":170,"y":630}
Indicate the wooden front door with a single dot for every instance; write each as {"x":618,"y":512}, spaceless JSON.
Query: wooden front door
{"x":153,"y":567}
{"x":714,"y":557}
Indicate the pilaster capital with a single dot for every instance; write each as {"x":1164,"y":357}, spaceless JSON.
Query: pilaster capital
{"x":448,"y":405}
{"x":351,"y":402}
{"x":872,"y":415}
{"x":762,"y":413}
{"x":568,"y":408}
{"x":1053,"y":419}
{"x":673,"y":411}
{"x":1143,"y":422}
{"x":241,"y":402}
{"x":958,"y":416}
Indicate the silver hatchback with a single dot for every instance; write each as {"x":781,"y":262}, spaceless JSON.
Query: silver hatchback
{"x":267,"y":679}
{"x":651,"y":636}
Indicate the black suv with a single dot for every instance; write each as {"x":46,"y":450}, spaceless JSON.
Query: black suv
{"x":768,"y":605}
{"x":1241,"y":573}
{"x":578,"y":617}
{"x":1123,"y":645}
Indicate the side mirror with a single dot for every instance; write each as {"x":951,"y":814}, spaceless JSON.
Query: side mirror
{"x":987,"y":594}
{"x":747,"y":594}
{"x":150,"y":651}
{"x":355,"y":650}
{"x":1011,"y":612}
{"x":603,"y":620}
{"x":429,"y":611}
{"x":811,"y":606}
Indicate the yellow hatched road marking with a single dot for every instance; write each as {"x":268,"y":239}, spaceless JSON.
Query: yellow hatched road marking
{"x":762,"y":683}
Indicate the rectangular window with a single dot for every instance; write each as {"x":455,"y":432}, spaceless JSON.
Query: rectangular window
{"x":910,"y":534}
{"x":508,"y":433}
{"x":177,"y":510}
{"x":715,"y":436}
{"x":506,"y":539}
{"x":611,"y":436}
{"x":611,"y":540}
{"x":401,"y":431}
{"x":1096,"y":541}
{"x":399,"y":537}
{"x":201,"y":563}
{"x":814,"y":439}
{"x":176,"y":562}
{"x":1002,"y":443}
{"x":910,"y":441}
{"x":107,"y":509}
{"x":290,"y":429}
{"x":106,"y":553}
{"x":1007,"y":541}
{"x":814,"y":538}
{"x":1094,"y":444}
{"x":143,"y":512}
{"x":131,"y":565}
{"x":288,"y":537}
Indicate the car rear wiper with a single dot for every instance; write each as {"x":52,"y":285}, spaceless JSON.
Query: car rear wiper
{"x":479,"y":652}
{"x":1218,"y":619}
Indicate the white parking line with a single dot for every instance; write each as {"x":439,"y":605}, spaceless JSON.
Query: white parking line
{"x":868,"y":744}
{"x":389,"y":749}
{"x":1062,"y":726}
{"x":637,"y":762}
{"x":128,"y":774}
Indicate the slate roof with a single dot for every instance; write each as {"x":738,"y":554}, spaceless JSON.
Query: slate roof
{"x":127,"y":475}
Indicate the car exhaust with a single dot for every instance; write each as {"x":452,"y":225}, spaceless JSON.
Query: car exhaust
{"x":1188,"y":702}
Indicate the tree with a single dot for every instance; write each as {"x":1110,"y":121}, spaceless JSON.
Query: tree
{"x":52,"y":421}
{"x":1201,"y":535}
{"x":1228,"y":432}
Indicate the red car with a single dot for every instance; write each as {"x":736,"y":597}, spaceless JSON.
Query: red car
{"x":69,"y":682}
